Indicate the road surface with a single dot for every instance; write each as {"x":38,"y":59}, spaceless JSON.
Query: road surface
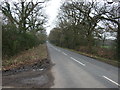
{"x":73,"y":70}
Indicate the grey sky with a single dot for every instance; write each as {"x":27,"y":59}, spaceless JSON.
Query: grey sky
{"x":52,"y":9}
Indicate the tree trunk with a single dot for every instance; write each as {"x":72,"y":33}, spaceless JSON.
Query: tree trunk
{"x":118,"y":42}
{"x":89,"y":46}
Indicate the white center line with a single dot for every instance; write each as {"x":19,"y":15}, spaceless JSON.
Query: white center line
{"x":64,"y":53}
{"x":58,"y":50}
{"x":77,"y":61}
{"x":111,"y":80}
{"x":55,"y":48}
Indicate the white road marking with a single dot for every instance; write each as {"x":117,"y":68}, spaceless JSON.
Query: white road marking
{"x":64,"y":53}
{"x":111,"y":80}
{"x":58,"y":50}
{"x":77,"y":61}
{"x":54,"y":48}
{"x":70,"y":57}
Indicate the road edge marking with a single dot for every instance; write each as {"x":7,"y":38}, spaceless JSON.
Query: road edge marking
{"x":111,"y":80}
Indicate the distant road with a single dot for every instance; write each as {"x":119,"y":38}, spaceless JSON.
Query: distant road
{"x":73,"y":70}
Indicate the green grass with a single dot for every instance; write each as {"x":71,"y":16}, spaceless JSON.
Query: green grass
{"x":108,"y":47}
{"x":26,"y":57}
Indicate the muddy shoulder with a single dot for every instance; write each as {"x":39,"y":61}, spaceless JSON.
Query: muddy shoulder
{"x":36,"y":75}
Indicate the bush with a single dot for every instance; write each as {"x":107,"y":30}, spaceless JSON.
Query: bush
{"x":106,"y":53}
{"x":98,"y":51}
{"x":14,"y":42}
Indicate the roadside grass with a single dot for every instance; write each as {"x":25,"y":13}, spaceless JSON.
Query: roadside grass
{"x":107,"y":47}
{"x":108,"y":61}
{"x":27,"y":57}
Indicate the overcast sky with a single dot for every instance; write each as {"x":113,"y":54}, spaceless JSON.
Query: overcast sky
{"x":52,"y":9}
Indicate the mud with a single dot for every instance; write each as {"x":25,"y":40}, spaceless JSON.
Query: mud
{"x":37,"y":75}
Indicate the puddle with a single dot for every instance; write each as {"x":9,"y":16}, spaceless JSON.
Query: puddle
{"x":39,"y":66}
{"x":43,"y":79}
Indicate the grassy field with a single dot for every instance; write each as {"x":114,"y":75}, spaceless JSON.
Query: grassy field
{"x":26,"y":57}
{"x":108,"y":47}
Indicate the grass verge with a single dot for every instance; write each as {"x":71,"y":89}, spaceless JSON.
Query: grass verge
{"x":111,"y":62}
{"x":27,"y":57}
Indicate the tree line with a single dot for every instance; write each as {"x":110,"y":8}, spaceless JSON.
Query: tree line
{"x":85,"y":24}
{"x":22,"y":26}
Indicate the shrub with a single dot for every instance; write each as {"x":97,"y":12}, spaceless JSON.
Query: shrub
{"x":14,"y":42}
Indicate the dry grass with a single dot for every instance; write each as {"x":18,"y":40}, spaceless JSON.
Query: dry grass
{"x":26,"y":57}
{"x":100,"y":52}
{"x":109,"y":61}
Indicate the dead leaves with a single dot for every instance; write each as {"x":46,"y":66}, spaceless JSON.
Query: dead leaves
{"x":28,"y":57}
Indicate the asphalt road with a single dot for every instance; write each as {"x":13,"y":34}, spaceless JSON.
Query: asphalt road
{"x":73,"y":70}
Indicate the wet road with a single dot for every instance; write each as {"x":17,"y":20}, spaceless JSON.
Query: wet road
{"x":73,"y":70}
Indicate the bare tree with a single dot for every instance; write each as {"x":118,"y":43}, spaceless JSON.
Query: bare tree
{"x":23,"y":14}
{"x":112,"y":14}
